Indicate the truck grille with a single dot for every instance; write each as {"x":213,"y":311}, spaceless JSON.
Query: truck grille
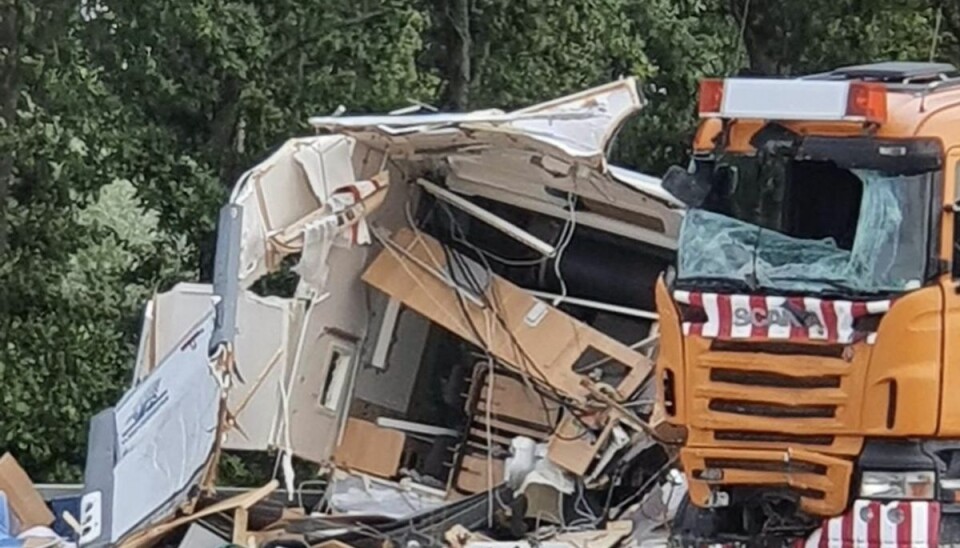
{"x":819,"y":481}
{"x":761,"y":392}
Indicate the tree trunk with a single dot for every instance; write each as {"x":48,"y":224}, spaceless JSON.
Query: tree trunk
{"x":223,"y":128}
{"x":756,"y":39}
{"x":458,"y":65}
{"x":9,"y":84}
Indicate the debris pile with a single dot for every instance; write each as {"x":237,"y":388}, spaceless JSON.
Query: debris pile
{"x":464,"y":356}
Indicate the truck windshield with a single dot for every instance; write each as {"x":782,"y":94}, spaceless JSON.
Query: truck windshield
{"x":789,"y":226}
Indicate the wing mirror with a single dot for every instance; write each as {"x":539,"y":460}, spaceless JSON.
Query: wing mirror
{"x":686,"y":187}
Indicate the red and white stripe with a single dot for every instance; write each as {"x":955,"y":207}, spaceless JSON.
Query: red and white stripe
{"x":346,"y":197}
{"x":876,"y":524}
{"x":835,"y":318}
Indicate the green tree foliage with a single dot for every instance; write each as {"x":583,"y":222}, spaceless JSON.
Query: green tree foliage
{"x":124,"y":124}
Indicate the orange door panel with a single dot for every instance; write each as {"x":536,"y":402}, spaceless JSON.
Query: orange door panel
{"x":950,"y":376}
{"x":902,"y":387}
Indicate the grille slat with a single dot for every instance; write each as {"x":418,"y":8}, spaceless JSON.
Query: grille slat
{"x":773,"y":410}
{"x":793,"y":466}
{"x":809,"y":493}
{"x":772,"y":380}
{"x":772,"y":437}
{"x":779,"y":348}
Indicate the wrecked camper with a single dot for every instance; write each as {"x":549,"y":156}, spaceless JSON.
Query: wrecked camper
{"x":465,"y":353}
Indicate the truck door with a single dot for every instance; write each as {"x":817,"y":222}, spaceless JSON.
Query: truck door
{"x":950,"y":284}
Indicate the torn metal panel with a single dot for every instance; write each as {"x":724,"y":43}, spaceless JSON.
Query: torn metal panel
{"x":576,"y":125}
{"x":515,"y":179}
{"x":514,"y":157}
{"x":263,"y":352}
{"x":283,"y":377}
{"x":304,"y":199}
{"x":646,"y":184}
{"x":307,"y":182}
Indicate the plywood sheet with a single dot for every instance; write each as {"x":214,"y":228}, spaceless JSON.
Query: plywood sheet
{"x":366,"y":447}
{"x":474,"y":472}
{"x":22,"y":496}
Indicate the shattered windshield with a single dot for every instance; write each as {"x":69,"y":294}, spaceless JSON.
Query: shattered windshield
{"x":802,"y":226}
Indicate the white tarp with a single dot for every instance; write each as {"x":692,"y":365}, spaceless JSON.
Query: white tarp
{"x":166,"y":429}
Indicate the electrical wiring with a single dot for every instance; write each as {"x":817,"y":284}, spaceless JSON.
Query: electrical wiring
{"x":571,"y":205}
{"x":451,"y":258}
{"x":491,"y":379}
{"x":493,"y":302}
{"x":389,"y":246}
{"x":488,"y":294}
{"x":616,"y":511}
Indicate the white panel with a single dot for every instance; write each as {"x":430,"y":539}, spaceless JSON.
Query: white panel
{"x":385,"y":334}
{"x":261,"y":353}
{"x":710,"y":305}
{"x":168,"y":318}
{"x":784,"y":99}
{"x":284,"y":190}
{"x":580,"y":124}
{"x":328,"y":164}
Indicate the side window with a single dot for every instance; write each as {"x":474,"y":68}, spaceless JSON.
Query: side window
{"x":339,"y":358}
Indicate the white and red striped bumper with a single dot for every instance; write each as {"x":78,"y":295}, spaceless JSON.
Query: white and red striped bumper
{"x":876,"y":524}
{"x":761,"y":317}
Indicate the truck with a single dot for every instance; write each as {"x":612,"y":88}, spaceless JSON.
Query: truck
{"x":810,"y":328}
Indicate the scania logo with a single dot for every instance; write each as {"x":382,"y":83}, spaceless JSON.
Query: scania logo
{"x":782,"y":317}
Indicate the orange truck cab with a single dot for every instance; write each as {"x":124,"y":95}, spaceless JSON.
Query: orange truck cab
{"x":810,"y":331}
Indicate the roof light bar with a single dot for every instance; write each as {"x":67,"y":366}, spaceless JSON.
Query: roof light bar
{"x":775,"y":99}
{"x":868,"y":101}
{"x":711,"y":97}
